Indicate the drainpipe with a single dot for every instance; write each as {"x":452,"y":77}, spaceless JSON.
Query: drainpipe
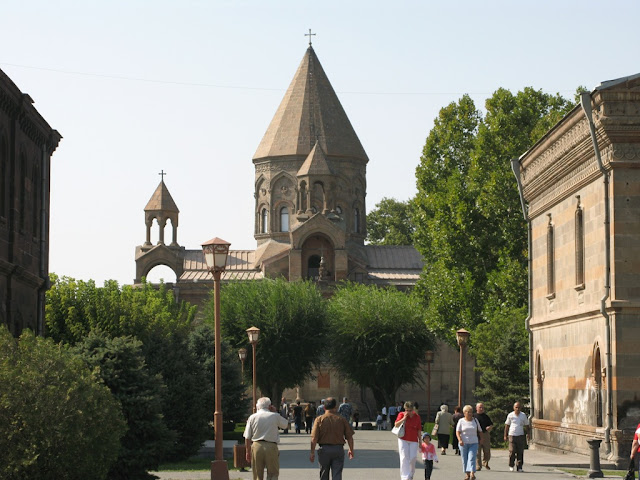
{"x":585,"y":101}
{"x":515,"y":166}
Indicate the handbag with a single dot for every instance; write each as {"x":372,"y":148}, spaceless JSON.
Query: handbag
{"x":630,"y":473}
{"x":399,"y":431}
{"x":434,"y":431}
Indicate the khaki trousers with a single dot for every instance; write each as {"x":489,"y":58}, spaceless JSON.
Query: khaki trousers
{"x":265,"y":454}
{"x":484,"y":448}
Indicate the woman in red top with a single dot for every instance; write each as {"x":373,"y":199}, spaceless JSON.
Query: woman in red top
{"x":408,"y":444}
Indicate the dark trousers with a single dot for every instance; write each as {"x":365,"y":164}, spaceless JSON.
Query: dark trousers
{"x":454,"y":442}
{"x":516,"y":450}
{"x":443,"y":440}
{"x":309,"y":423}
{"x":428,"y":468}
{"x":331,"y":457}
{"x":298,"y":422}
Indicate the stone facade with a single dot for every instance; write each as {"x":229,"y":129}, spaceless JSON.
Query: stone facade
{"x":26,"y":145}
{"x":585,"y":273}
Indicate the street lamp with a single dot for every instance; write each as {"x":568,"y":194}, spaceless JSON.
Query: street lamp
{"x":215,"y":255}
{"x":242,"y":354}
{"x":254,"y":333}
{"x":429,"y":357}
{"x":462,"y":336}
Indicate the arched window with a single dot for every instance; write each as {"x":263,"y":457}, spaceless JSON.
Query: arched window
{"x":264,"y":219}
{"x":551,"y":287}
{"x":579,"y":245}
{"x":356,"y":220}
{"x":4,"y":175}
{"x":284,"y":219}
{"x":23,"y":190}
{"x":35,"y":207}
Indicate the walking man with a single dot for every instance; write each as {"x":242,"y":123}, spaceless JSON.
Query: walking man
{"x":345,"y":410}
{"x":484,"y":447}
{"x":261,"y":440}
{"x":330,"y":432}
{"x":515,"y":427}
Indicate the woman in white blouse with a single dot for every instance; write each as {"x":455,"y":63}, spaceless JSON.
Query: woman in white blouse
{"x":467,"y":433}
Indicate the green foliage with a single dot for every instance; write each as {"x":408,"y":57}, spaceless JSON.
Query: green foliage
{"x":390,"y":223}
{"x":469,"y":224}
{"x":234,"y":403}
{"x":378,"y":338}
{"x":75,"y":307}
{"x":501,"y":350}
{"x":120,"y":364}
{"x":57,"y":422}
{"x":292,"y":320}
{"x":164,"y":327}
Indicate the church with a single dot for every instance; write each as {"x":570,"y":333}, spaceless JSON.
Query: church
{"x":309,"y":223}
{"x":580,"y":191}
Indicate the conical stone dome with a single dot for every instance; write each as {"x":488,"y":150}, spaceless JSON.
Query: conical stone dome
{"x":310,"y":111}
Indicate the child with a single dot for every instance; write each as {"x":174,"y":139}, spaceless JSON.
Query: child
{"x":428,"y":450}
{"x":379,"y":421}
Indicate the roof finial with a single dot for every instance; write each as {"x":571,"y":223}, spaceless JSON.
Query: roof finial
{"x":162,"y":174}
{"x":309,"y":35}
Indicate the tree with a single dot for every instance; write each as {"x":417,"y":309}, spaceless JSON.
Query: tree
{"x":292,"y":319}
{"x":163,"y":325}
{"x":501,"y":352}
{"x":378,"y":338}
{"x":57,"y":421}
{"x":390,"y":223}
{"x":202,"y":347}
{"x":120,"y":364}
{"x":470,"y":227}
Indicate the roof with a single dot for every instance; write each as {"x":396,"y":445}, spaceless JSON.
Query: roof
{"x":617,"y":81}
{"x":316,"y":163}
{"x":310,"y":111}
{"x":240,"y":266}
{"x":393,"y":264}
{"x":393,"y":257}
{"x":161,"y":200}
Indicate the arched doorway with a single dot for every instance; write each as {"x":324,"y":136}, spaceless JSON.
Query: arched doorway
{"x":597,"y":384}
{"x":313,"y":250}
{"x":540,"y":387}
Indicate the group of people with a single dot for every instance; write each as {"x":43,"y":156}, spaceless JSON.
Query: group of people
{"x":329,"y":432}
{"x":472,"y":440}
{"x":310,"y":412}
{"x":332,"y":429}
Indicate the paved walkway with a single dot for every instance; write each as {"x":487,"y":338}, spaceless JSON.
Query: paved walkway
{"x":376,"y":458}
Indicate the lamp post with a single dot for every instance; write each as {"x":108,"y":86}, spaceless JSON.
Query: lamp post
{"x":429,"y":357}
{"x":462,"y":336}
{"x":242,"y":354}
{"x":215,"y":255}
{"x":254,"y":333}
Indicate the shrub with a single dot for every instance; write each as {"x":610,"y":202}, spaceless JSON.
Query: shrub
{"x":56,"y":420}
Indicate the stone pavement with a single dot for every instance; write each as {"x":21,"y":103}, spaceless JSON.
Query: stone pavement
{"x":376,"y":458}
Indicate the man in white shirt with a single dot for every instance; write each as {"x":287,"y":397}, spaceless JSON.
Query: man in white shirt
{"x":261,"y":440}
{"x":515,"y":427}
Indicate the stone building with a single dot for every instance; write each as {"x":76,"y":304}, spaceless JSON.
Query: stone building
{"x":310,"y":223}
{"x":26,"y":145}
{"x":580,"y":187}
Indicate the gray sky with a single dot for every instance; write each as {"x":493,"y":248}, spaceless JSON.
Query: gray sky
{"x":190,"y":87}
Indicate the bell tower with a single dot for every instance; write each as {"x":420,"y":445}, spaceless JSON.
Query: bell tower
{"x":160,"y":208}
{"x":310,"y":183}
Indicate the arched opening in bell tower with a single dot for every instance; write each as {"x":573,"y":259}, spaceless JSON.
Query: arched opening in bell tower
{"x":315,"y":249}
